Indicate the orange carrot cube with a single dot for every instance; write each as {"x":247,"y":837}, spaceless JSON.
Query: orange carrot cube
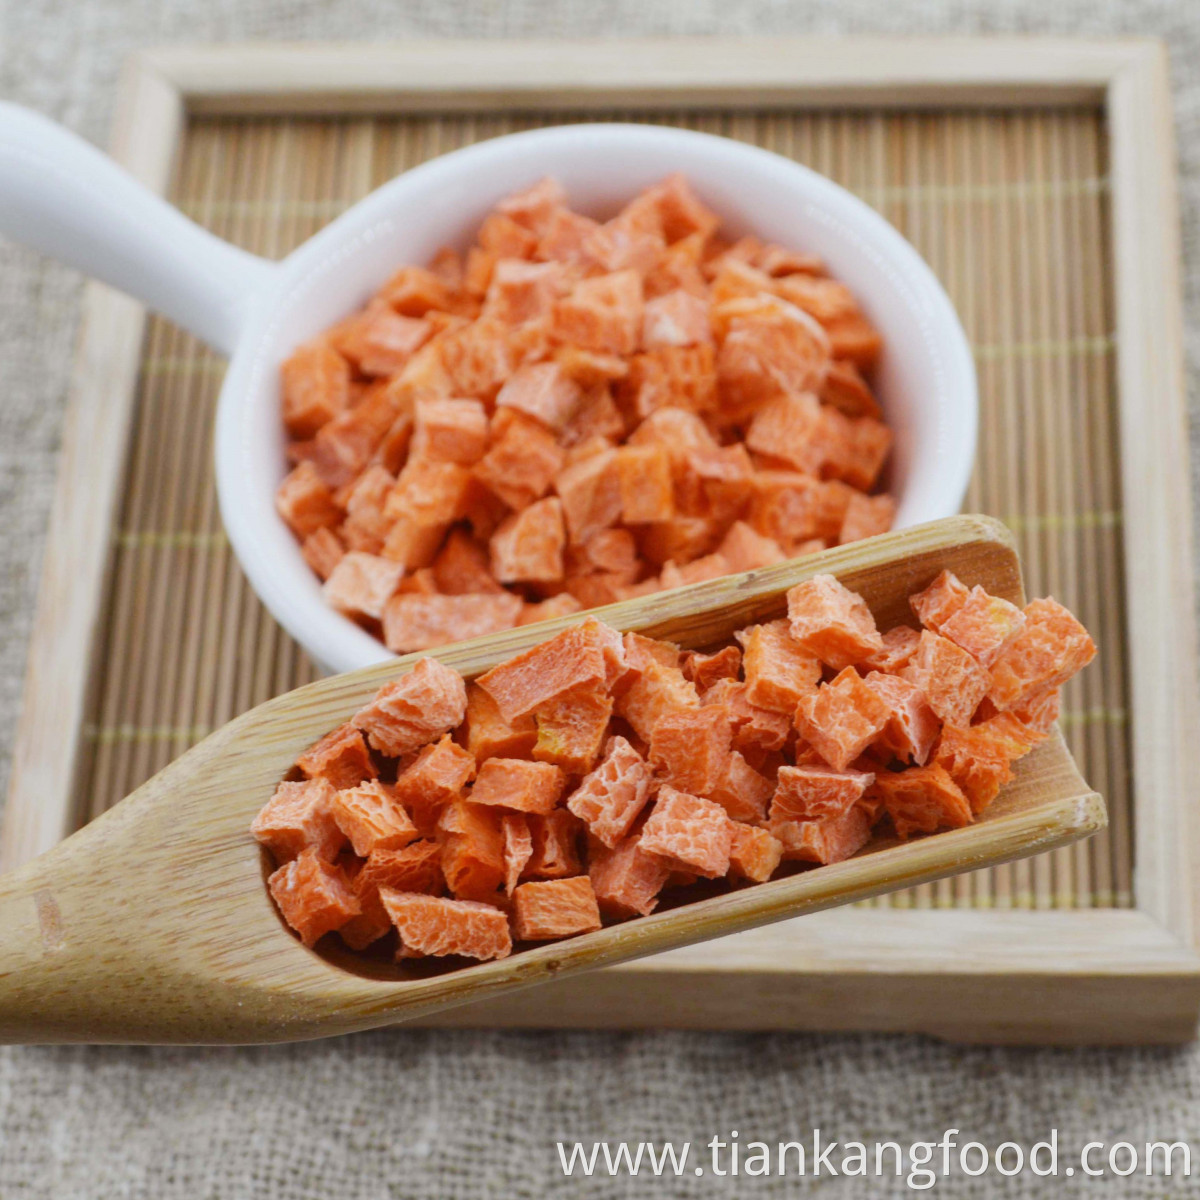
{"x":792,"y":508}
{"x":572,"y":727}
{"x":437,"y":926}
{"x":555,"y":908}
{"x":561,"y":605}
{"x":689,"y":830}
{"x":816,"y":793}
{"x":705,"y":669}
{"x":502,"y":237}
{"x":346,"y":444}
{"x":521,"y":463}
{"x":743,"y":792}
{"x":853,"y":337}
{"x":779,"y":669}
{"x":983,"y":625}
{"x":429,"y":492}
{"x":899,"y":645}
{"x":912,"y":726}
{"x":555,"y":845}
{"x":304,"y":501}
{"x":371,"y":818}
{"x":690,"y":749}
{"x":413,"y":291}
{"x":953,"y":682}
{"x":518,"y":848}
{"x":543,"y":391}
{"x":313,"y":895}
{"x":518,"y":784}
{"x":361,"y":584}
{"x":316,"y":387}
{"x":411,"y":544}
{"x":745,"y":549}
{"x":846,"y":390}
{"x":520,"y":291}
{"x":489,"y":735}
{"x":922,"y":800}
{"x":462,"y":567}
{"x":939,"y":601}
{"x":574,"y":658}
{"x":677,"y":318}
{"x":591,"y":495}
{"x":977,"y":760}
{"x":1050,"y":648}
{"x":658,"y":691}
{"x":450,"y":430}
{"x":830,"y":840}
{"x":323,"y":551}
{"x":755,"y":729}
{"x":413,"y":868}
{"x":299,"y":817}
{"x":842,"y":718}
{"x":626,"y":879}
{"x":790,"y":428}
{"x":603,"y":313}
{"x":754,"y":853}
{"x":866,"y":516}
{"x":420,"y":706}
{"x":611,"y":796}
{"x":472,"y":837}
{"x":379,"y":341}
{"x":832,"y":622}
{"x":436,"y":776}
{"x":341,"y":756}
{"x":528,"y":546}
{"x":415,"y":622}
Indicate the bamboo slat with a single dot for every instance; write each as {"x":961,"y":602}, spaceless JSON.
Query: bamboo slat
{"x":1010,"y":208}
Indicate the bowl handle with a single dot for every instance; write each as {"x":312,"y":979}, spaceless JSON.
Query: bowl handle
{"x":61,"y":196}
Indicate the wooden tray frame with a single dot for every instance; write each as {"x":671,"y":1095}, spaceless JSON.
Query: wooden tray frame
{"x":1097,"y":975}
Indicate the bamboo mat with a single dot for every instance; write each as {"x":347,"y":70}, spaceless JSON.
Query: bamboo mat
{"x":1010,"y":210}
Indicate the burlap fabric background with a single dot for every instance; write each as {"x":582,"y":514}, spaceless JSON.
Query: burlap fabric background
{"x":463,"y":1114}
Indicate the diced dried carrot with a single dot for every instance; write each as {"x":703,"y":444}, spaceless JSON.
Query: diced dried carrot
{"x":572,"y":659}
{"x":429,"y":491}
{"x":341,"y":756}
{"x":416,"y":622}
{"x":855,"y":338}
{"x":305,"y":502}
{"x":646,"y":484}
{"x":572,"y":727}
{"x":437,"y":926}
{"x":626,"y":879}
{"x":977,"y":760}
{"x":754,"y":853}
{"x":846,"y":390}
{"x":688,"y":830}
{"x":603,"y":313}
{"x":591,"y":495}
{"x":414,"y":868}
{"x":690,"y":749}
{"x":450,"y":430}
{"x":922,"y":799}
{"x":745,"y":549}
{"x":705,"y":669}
{"x":779,"y":669}
{"x":912,"y":726}
{"x":518,"y":848}
{"x":831,"y":840}
{"x":743,"y":792}
{"x":677,"y":318}
{"x":793,"y":508}
{"x":528,"y":546}
{"x":899,"y":645}
{"x":611,"y":797}
{"x":462,"y":567}
{"x":543,"y":391}
{"x":420,"y":706}
{"x":323,"y":550}
{"x":379,"y":341}
{"x":658,"y":691}
{"x":682,"y":377}
{"x":563,"y":237}
{"x":413,"y":291}
{"x":316,"y":387}
{"x":489,"y":735}
{"x":1050,"y":648}
{"x":555,"y":908}
{"x":535,"y":205}
{"x":521,"y":464}
{"x":345,"y":445}
{"x":816,"y":793}
{"x":718,"y":482}
{"x":412,"y":545}
{"x":371,"y":818}
{"x":555,"y":845}
{"x":436,"y":776}
{"x":561,"y":605}
{"x":518,"y":784}
{"x":866,"y":516}
{"x":313,"y":895}
{"x":953,"y":682}
{"x":472,"y":837}
{"x":939,"y":601}
{"x":842,"y":718}
{"x":754,"y":728}
{"x":299,"y":817}
{"x":361,"y":584}
{"x":790,"y":428}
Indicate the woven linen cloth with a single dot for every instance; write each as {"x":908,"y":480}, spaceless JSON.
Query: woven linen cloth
{"x":456,"y":1114}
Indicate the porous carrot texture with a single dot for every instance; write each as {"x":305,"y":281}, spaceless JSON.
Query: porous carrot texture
{"x":489,"y":416}
{"x":573,"y":784}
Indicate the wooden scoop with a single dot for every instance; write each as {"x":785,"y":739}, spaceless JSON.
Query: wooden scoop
{"x":153,"y":923}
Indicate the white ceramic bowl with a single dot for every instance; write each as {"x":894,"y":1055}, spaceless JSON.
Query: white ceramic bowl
{"x":261,"y":311}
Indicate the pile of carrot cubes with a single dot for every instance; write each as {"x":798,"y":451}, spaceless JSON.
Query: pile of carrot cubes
{"x":581,"y":779}
{"x":576,"y":413}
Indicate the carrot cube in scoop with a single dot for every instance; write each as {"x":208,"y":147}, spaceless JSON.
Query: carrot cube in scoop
{"x":436,"y":926}
{"x":450,"y":430}
{"x":816,"y":793}
{"x":518,"y":784}
{"x":922,"y":799}
{"x":627,"y":879}
{"x":912,"y":725}
{"x":690,"y":831}
{"x":544,"y":392}
{"x":841,"y":718}
{"x":489,"y":735}
{"x":414,"y":709}
{"x":340,"y":756}
{"x":611,"y":797}
{"x":435,"y":777}
{"x":299,"y":817}
{"x":305,"y":502}
{"x":316,"y":387}
{"x":743,"y":792}
{"x":832,"y":622}
{"x":977,"y":760}
{"x":754,"y":853}
{"x":690,"y":748}
{"x":313,"y":895}
{"x":983,"y":625}
{"x":572,"y":727}
{"x":1050,"y":648}
{"x":829,"y":840}
{"x":472,"y":837}
{"x":951,"y":679}
{"x":372,"y":819}
{"x":555,"y":839}
{"x":939,"y":601}
{"x":518,"y":848}
{"x":555,"y":908}
{"x":779,"y":670}
{"x":413,"y":868}
{"x":657,"y":692}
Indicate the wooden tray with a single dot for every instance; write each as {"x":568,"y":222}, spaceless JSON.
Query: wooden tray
{"x":1037,"y":178}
